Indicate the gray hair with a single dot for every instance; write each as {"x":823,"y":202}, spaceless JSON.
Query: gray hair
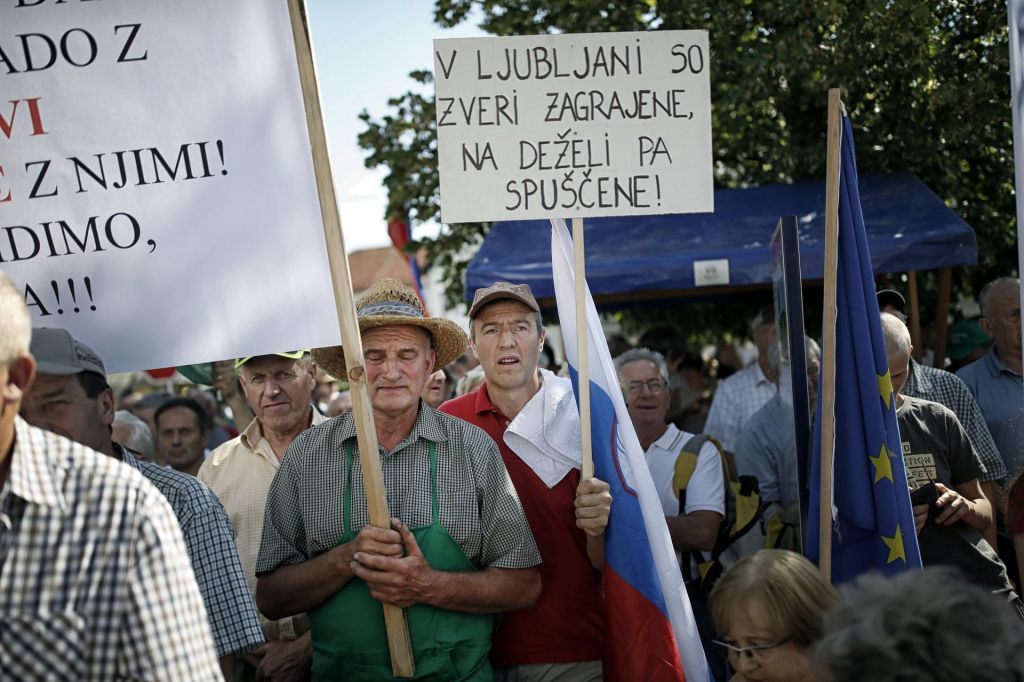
{"x":921,"y":625}
{"x":140,"y":439}
{"x":996,"y":284}
{"x":896,"y":335}
{"x":774,"y":355}
{"x":15,"y":322}
{"x":642,"y":354}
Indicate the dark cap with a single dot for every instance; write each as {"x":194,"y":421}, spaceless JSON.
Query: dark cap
{"x":503,"y":290}
{"x":57,"y":352}
{"x":891,"y":297}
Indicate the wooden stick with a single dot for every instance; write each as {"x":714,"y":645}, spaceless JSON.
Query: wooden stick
{"x":914,"y":315}
{"x":829,"y":315}
{"x":942,"y":317}
{"x":402,"y":663}
{"x":582,"y":347}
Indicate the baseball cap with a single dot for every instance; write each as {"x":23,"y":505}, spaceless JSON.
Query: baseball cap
{"x":290,"y":354}
{"x":891,"y":297}
{"x":57,"y":352}
{"x":503,"y":290}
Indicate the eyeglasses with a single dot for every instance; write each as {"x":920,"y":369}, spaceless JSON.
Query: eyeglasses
{"x":652,"y":385}
{"x":752,"y":651}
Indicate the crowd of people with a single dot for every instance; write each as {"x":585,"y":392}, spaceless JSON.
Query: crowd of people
{"x":165,"y":541}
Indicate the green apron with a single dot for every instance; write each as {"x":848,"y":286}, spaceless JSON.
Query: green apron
{"x":349,"y":636}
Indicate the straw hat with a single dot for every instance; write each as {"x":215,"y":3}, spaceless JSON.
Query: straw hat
{"x":389,"y":302}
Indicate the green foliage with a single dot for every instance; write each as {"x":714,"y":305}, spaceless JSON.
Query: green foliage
{"x":926,"y":85}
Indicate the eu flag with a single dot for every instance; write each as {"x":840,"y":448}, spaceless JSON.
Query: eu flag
{"x":873,"y":525}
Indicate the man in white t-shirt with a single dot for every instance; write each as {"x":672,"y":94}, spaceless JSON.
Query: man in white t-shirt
{"x":643,"y":376}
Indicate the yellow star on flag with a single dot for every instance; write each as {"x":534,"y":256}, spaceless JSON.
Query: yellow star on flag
{"x":885,"y":388}
{"x":895,"y":545}
{"x":883,"y":467}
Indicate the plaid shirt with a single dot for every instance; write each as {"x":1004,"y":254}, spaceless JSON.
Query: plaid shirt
{"x":210,"y":541}
{"x":479,"y":505}
{"x":736,"y":400}
{"x":94,"y":580}
{"x":948,"y":389}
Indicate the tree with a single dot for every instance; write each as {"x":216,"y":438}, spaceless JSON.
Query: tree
{"x":926,"y":86}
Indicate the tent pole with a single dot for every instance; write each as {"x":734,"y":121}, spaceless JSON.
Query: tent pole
{"x":942,"y":317}
{"x":914,"y":313}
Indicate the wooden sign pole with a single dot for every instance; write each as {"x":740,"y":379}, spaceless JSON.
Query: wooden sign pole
{"x":582,"y":347}
{"x":402,"y":663}
{"x":828,"y":370}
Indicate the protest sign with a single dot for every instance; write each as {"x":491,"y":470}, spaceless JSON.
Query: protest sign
{"x":582,"y":125}
{"x":157,"y":193}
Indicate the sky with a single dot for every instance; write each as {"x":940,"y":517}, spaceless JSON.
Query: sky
{"x":364,"y":52}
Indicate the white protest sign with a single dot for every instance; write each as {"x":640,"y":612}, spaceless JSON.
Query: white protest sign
{"x":157,"y":195}
{"x":596,"y":124}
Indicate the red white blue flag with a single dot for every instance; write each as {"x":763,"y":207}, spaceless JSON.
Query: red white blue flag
{"x":401,"y":235}
{"x":649,"y":630}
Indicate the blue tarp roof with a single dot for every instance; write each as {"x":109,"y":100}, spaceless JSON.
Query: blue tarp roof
{"x":909,"y":228}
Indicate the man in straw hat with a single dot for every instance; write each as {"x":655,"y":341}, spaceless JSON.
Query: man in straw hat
{"x":459,"y":547}
{"x":532,"y":415}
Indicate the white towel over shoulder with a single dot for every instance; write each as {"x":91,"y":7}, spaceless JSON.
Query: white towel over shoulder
{"x":546,"y":432}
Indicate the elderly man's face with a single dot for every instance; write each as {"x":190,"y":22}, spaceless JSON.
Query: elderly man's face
{"x":764,"y":336}
{"x":278,"y":389}
{"x":1003,"y":320}
{"x":399,"y":360}
{"x":646,"y":392}
{"x":58,"y":403}
{"x":433,"y":393}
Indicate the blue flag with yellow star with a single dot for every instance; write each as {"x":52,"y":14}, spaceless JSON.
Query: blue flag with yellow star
{"x":873,"y":525}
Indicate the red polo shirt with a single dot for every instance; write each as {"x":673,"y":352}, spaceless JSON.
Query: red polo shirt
{"x":564,"y":625}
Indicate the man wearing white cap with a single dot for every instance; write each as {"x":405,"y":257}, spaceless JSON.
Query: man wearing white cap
{"x":277,"y":387}
{"x":532,"y":415}
{"x":459,"y":549}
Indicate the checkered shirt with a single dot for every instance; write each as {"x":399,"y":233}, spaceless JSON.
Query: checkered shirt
{"x":479,"y":505}
{"x":948,"y":389}
{"x":736,"y":400}
{"x":210,"y":541}
{"x":94,"y":580}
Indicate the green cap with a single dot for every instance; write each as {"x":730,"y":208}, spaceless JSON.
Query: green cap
{"x":964,"y":337}
{"x":290,"y":354}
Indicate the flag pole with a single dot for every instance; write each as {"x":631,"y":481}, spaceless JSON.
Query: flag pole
{"x":582,"y":356}
{"x":828,"y":369}
{"x":402,"y":662}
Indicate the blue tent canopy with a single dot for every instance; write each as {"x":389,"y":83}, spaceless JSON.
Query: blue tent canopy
{"x":909,"y":228}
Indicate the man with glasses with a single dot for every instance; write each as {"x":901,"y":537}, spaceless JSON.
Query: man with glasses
{"x":277,"y":387}
{"x":693,"y":522}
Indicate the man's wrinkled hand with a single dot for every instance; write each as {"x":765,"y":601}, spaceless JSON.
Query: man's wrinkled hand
{"x":593,"y":506}
{"x":373,"y":540}
{"x":286,"y":661}
{"x":395,"y":579}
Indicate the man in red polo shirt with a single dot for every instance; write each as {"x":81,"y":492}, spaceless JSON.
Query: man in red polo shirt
{"x":531,"y":414}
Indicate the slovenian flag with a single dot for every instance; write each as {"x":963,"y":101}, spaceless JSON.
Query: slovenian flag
{"x":649,"y":630}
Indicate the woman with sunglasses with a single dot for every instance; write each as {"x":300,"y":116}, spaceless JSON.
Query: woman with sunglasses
{"x":768,"y":610}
